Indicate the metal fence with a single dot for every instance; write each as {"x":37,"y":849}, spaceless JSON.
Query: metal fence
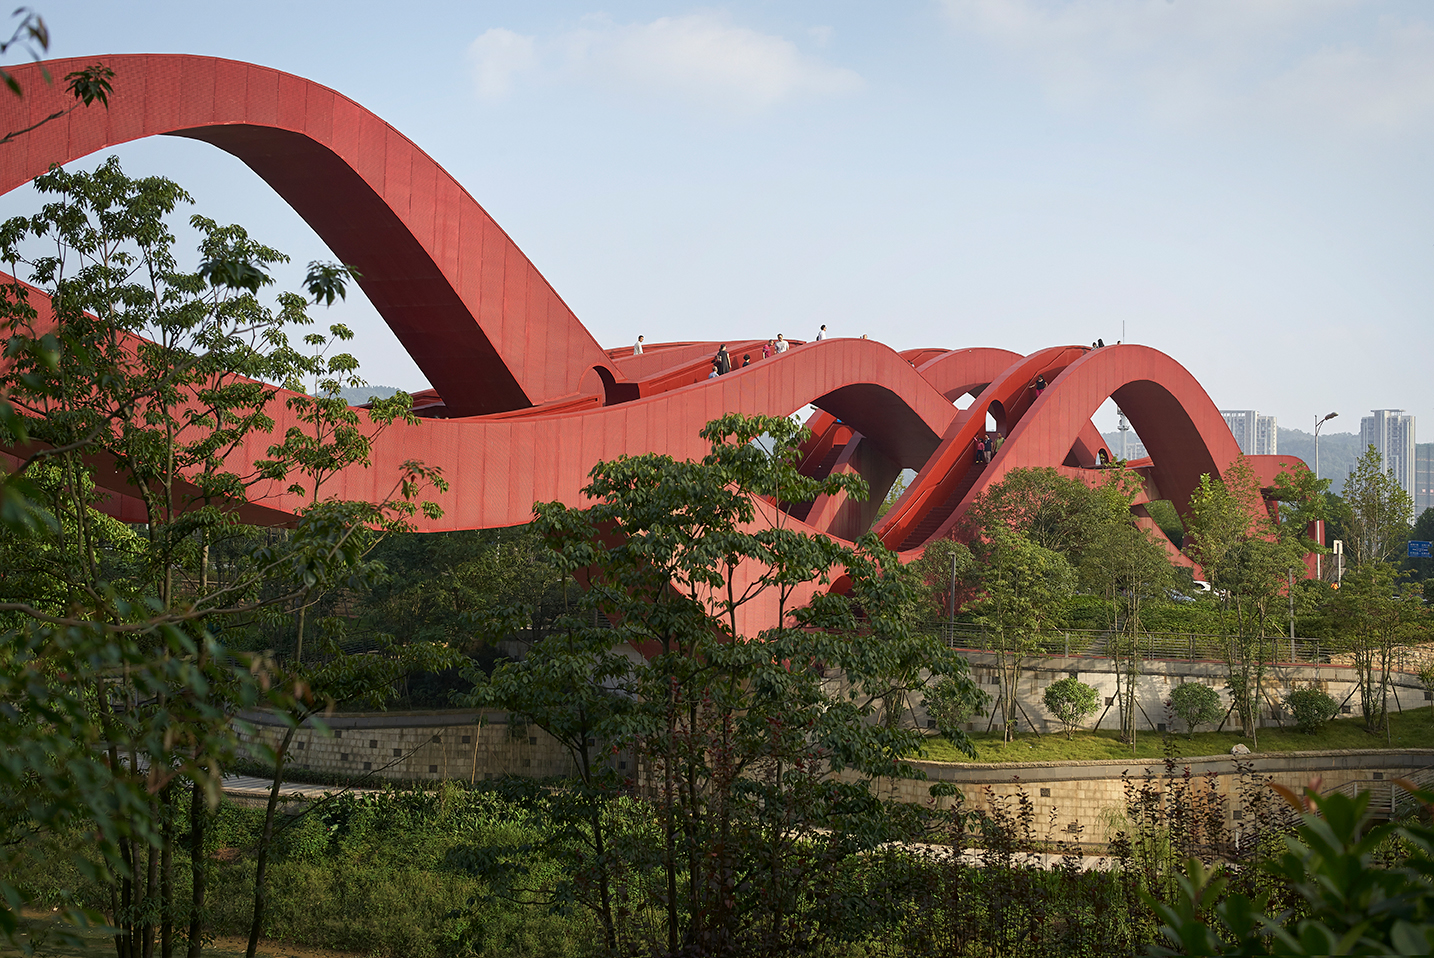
{"x":1098,"y":643}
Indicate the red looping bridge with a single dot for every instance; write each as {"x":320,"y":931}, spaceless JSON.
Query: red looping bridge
{"x":525,"y":400}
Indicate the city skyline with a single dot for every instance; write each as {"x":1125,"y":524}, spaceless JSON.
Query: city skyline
{"x":1256,"y":434}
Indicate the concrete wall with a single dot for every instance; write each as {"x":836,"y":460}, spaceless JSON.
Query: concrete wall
{"x":1156,"y":680}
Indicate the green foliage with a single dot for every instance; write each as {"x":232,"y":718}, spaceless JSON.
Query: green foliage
{"x":1053,"y":512}
{"x":33,"y":35}
{"x":1131,"y":570}
{"x":1374,"y":616}
{"x":381,"y":874}
{"x":442,"y":586}
{"x":1023,"y":589}
{"x":1196,"y":704}
{"x":1167,"y":517}
{"x":1348,"y":901}
{"x":952,"y":703}
{"x":934,"y":568}
{"x":117,"y":691}
{"x":740,"y":736}
{"x":1380,"y":511}
{"x":1312,"y":707}
{"x":1071,"y":701}
{"x":898,"y":487}
{"x":1248,"y":559}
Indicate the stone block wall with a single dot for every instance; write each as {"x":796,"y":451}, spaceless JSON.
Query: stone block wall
{"x":434,"y":746}
{"x":1079,"y":793}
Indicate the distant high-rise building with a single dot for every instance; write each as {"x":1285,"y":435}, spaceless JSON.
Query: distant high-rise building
{"x":1256,"y":435}
{"x":1423,"y":478}
{"x":1391,"y":433}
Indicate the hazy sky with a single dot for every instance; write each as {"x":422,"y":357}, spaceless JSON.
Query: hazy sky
{"x":1245,"y":184}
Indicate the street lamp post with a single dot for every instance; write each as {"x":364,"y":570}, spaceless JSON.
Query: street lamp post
{"x":1319,"y":570}
{"x":1320,"y":422}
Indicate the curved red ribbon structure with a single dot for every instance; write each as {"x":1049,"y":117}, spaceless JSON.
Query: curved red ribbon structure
{"x":525,"y":401}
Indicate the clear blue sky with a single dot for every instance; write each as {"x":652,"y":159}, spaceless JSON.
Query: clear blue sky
{"x":1245,"y":185}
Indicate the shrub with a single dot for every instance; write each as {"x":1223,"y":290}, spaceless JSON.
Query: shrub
{"x":1312,"y":708}
{"x":1071,"y":701}
{"x":1196,"y":704}
{"x":306,"y":839}
{"x":951,"y":703}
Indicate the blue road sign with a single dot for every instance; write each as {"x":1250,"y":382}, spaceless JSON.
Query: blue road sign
{"x":1419,"y":550}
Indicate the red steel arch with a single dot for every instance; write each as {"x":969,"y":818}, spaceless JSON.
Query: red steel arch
{"x":482,"y":323}
{"x":529,"y":401}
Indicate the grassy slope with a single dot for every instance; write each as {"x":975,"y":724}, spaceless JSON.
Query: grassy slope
{"x":1413,"y":729}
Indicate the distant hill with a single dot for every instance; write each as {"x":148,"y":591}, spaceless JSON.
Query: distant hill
{"x":357,"y":397}
{"x":1337,"y":451}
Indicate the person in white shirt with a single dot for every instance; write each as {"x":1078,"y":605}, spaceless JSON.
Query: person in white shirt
{"x":821,"y":334}
{"x":637,"y":347}
{"x":782,"y":344}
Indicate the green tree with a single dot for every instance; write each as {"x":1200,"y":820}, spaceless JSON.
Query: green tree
{"x":1071,"y":701}
{"x":1311,"y":706}
{"x":757,"y":752}
{"x":1421,"y":570}
{"x":951,"y":702}
{"x":437,"y":585}
{"x":1052,"y":511}
{"x":945,"y":567}
{"x":1128,"y":568}
{"x":1379,"y":512}
{"x":118,"y":691}
{"x":1247,"y":558}
{"x":1022,"y":591}
{"x":1378,"y":617}
{"x":1195,"y":704}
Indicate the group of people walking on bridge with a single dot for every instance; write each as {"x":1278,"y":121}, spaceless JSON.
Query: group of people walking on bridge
{"x":722,"y":363}
{"x":987,"y":446}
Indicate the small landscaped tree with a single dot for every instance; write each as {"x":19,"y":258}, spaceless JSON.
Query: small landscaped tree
{"x":950,"y":703}
{"x":1023,"y":591}
{"x":1128,"y":567}
{"x":1071,"y":701}
{"x":1195,"y":704}
{"x":1312,"y":707}
{"x":1248,"y":558}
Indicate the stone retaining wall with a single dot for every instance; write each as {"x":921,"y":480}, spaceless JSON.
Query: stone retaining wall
{"x":435,"y":746}
{"x":1079,"y":792}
